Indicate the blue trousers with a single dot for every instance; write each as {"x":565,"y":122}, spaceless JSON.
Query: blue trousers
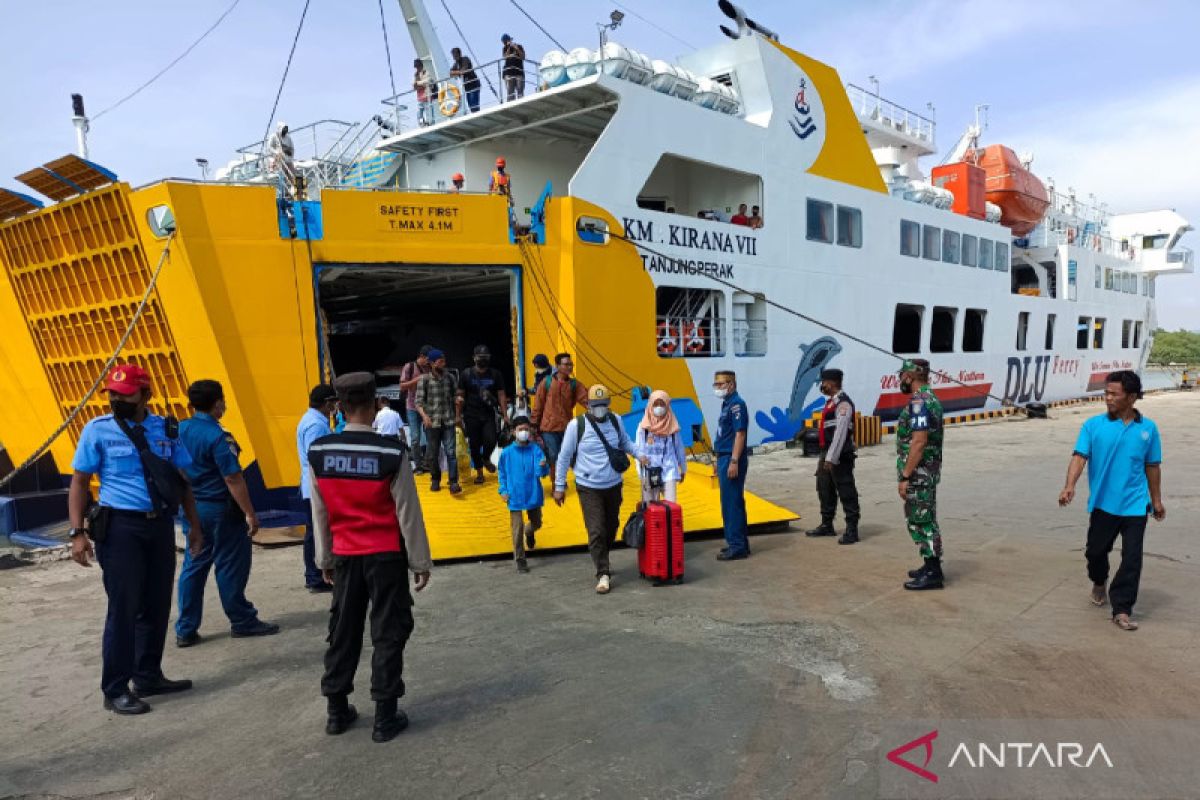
{"x":138,"y":560}
{"x":227,"y":546}
{"x":312,"y":575}
{"x":733,"y":504}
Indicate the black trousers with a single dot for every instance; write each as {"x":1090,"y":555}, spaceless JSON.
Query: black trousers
{"x":836,"y":484}
{"x":381,"y":582}
{"x":1103,"y":530}
{"x":601,"y":517}
{"x":481,"y":438}
{"x":138,"y":560}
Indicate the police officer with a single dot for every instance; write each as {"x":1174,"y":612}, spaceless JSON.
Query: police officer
{"x":322,"y":402}
{"x":835,"y":469}
{"x":919,"y":468}
{"x":730,"y":447}
{"x":135,"y":534}
{"x":369,"y":534}
{"x":227,"y":521}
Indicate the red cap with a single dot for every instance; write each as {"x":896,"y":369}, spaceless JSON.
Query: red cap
{"x":127,"y":379}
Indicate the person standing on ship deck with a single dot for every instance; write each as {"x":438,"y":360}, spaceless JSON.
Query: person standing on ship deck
{"x":1123,"y":453}
{"x":740,"y":217}
{"x":514,"y":67}
{"x":919,"y":433}
{"x":463,"y":69}
{"x":835,"y":468}
{"x":732,"y":464}
{"x":370,"y":533}
{"x":554,"y":406}
{"x":140,"y":463}
{"x":435,"y":402}
{"x":227,"y":518}
{"x":417,"y":438}
{"x":322,"y":402}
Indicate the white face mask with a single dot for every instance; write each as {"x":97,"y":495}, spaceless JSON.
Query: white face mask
{"x":659,"y":411}
{"x":720,"y":392}
{"x":599,"y":412}
{"x":522,"y":436}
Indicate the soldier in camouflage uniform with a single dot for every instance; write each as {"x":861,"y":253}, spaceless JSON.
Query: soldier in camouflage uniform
{"x":918,"y":467}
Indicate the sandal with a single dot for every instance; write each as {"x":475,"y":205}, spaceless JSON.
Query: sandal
{"x":1123,"y":622}
{"x":1098,"y":596}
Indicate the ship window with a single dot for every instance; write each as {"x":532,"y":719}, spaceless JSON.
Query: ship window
{"x":970,"y":250}
{"x":1098,"y":333}
{"x":1098,"y":278}
{"x":161,"y":221}
{"x":820,"y":221}
{"x":849,"y":226}
{"x":695,"y":189}
{"x":985,"y":253}
{"x":1157,"y":242}
{"x":950,"y":247}
{"x":910,"y":238}
{"x":1151,"y":279}
{"x":931,"y":246}
{"x":1126,"y":332}
{"x":941,"y":337}
{"x":1137,"y":334}
{"x":1023,"y":330}
{"x":973,"y":330}
{"x":592,"y":230}
{"x":749,"y":324}
{"x":906,"y":330}
{"x":1108,"y":278}
{"x":1145,"y":286}
{"x":1081,"y":333}
{"x":1001,"y":264}
{"x":689,"y":322}
{"x":1050,"y":320}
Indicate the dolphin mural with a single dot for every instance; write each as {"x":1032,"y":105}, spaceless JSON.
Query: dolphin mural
{"x":782,"y":426}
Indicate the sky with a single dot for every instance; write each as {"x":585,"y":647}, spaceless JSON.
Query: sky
{"x":1105,"y":94}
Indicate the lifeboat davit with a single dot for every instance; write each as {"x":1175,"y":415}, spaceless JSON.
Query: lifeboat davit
{"x":1019,"y":193}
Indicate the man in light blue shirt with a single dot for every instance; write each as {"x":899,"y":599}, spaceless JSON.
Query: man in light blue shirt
{"x":134,"y":530}
{"x":1123,"y":454}
{"x":322,"y":401}
{"x":587,"y":441}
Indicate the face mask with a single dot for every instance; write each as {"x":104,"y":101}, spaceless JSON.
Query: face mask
{"x":599,"y":412}
{"x":522,"y":436}
{"x":123,"y":409}
{"x":482,"y":362}
{"x":720,"y":392}
{"x":906,"y":386}
{"x":659,"y":411}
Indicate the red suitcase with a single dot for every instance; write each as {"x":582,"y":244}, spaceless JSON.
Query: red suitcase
{"x":661,"y":556}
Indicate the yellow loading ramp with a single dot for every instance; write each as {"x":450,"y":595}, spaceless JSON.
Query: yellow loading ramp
{"x":475,"y":522}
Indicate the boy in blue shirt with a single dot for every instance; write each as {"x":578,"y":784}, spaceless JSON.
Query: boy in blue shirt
{"x":522,"y":466}
{"x":1123,"y":454}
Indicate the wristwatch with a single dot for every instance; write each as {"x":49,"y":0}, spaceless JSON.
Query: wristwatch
{"x":904,"y":478}
{"x":73,"y":532}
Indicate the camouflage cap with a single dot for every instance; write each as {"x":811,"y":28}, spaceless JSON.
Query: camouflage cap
{"x":911,"y":364}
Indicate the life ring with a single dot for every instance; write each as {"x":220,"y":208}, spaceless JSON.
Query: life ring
{"x":449,"y":100}
{"x":668,"y":342}
{"x":693,"y":337}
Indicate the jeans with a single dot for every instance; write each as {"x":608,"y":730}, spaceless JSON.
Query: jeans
{"x":514,"y":85}
{"x":441,"y":438}
{"x":1103,"y":530}
{"x":138,"y":560}
{"x":424,"y":112}
{"x":552,"y":443}
{"x":733,"y":503}
{"x":473,"y":98}
{"x":602,"y":518}
{"x":227,"y":546}
{"x":380,"y":581}
{"x":481,"y":439}
{"x":312,"y":575}
{"x":417,"y":438}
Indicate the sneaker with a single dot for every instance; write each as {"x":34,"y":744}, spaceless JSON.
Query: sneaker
{"x":455,"y":488}
{"x":259,"y":628}
{"x":490,"y":467}
{"x":190,"y":640}
{"x":479,"y":479}
{"x":603,"y":585}
{"x":530,"y":541}
{"x":319,"y":588}
{"x":436,"y":486}
{"x":522,"y":565}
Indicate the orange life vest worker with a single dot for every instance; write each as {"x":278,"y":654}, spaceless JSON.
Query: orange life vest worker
{"x":668,"y":342}
{"x":500,"y":182}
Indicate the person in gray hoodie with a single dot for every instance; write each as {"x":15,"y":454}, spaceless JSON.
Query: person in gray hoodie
{"x":585,"y":447}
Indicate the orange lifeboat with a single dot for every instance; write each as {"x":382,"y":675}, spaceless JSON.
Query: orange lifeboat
{"x":1020,"y":194}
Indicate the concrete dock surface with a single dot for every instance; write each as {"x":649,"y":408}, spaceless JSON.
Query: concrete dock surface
{"x":774,"y":677}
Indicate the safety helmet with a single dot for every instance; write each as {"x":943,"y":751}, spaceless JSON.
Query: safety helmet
{"x":458,"y":176}
{"x":598,"y":395}
{"x":500,"y":162}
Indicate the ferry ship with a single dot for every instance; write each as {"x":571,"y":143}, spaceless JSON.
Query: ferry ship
{"x":619,"y":245}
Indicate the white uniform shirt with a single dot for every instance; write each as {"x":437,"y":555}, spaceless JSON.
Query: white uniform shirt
{"x":387,"y":422}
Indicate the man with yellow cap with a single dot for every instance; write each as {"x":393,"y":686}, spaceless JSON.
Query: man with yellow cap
{"x":598,"y":448}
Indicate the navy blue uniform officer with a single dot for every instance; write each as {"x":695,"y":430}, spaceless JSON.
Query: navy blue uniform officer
{"x":730,"y":447}
{"x":137,"y":555}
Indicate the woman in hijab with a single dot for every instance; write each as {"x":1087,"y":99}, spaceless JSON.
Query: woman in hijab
{"x":658,"y":439}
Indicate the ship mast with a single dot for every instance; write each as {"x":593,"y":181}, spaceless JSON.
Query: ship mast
{"x":425,"y":38}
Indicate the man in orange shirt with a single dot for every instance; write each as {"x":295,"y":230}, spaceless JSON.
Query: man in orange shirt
{"x":554,"y":406}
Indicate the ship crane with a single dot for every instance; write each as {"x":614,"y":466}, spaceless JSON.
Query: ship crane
{"x":969,"y":141}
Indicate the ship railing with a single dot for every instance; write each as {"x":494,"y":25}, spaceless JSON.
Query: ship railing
{"x":414,"y":113}
{"x":749,"y":337}
{"x":691,"y":337}
{"x":869,"y":105}
{"x":1078,"y":236}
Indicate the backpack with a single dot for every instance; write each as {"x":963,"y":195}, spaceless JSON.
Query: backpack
{"x":550,"y":382}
